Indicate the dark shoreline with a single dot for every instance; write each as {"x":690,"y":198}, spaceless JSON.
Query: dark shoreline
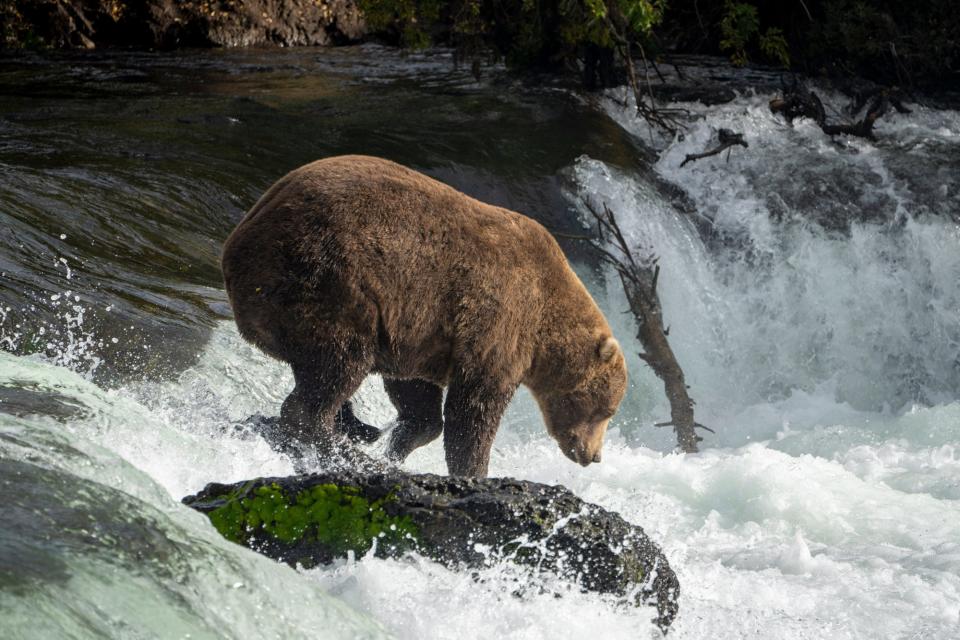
{"x":172,"y":25}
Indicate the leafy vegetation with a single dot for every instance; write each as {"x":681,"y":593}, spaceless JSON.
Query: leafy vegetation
{"x":889,"y":41}
{"x":885,"y":40}
{"x":527,"y":33}
{"x":339,"y":517}
{"x":740,"y":26}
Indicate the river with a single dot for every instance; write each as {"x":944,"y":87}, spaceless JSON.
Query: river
{"x":811,"y":286}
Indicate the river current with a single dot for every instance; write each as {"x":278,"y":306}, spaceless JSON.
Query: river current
{"x":811,"y":286}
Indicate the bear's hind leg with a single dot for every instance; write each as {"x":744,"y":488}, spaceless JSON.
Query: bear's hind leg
{"x":420,"y":415}
{"x":471,"y":417}
{"x":325,"y":380}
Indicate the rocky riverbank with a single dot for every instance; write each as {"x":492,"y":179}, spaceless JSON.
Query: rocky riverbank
{"x":166,"y":24}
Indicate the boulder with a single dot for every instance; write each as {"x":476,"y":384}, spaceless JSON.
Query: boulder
{"x":245,"y":23}
{"x":307,"y":520}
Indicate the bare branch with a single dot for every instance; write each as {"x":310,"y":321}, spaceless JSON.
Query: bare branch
{"x":639,"y":279}
{"x":799,"y":102}
{"x":727,"y":139}
{"x":660,"y":118}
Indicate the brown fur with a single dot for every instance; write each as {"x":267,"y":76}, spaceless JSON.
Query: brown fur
{"x":353,"y":264}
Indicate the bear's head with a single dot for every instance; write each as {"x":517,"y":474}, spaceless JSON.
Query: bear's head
{"x":577,"y":417}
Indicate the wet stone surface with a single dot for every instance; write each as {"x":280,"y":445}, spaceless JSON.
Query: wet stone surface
{"x":459,"y":522}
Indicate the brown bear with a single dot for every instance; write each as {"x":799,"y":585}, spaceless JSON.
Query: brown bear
{"x":354,"y":264}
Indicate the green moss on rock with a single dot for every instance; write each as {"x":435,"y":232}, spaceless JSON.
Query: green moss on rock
{"x":339,"y":517}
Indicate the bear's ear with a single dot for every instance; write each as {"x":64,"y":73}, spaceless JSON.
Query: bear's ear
{"x":608,"y":347}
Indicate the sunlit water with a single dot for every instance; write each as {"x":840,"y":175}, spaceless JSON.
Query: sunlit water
{"x":812,"y":288}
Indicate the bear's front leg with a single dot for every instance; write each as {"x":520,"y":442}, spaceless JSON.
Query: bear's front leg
{"x":471,"y":417}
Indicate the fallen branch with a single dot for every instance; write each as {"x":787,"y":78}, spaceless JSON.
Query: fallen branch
{"x":896,"y":96}
{"x":640,"y":284}
{"x":727,"y":139}
{"x":800,"y":102}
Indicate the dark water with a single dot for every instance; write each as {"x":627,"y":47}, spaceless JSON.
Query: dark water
{"x":144,"y":163}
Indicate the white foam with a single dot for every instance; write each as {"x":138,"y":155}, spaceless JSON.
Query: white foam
{"x":765,"y":540}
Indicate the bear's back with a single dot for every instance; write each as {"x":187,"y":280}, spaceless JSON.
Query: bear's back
{"x":353,"y":231}
{"x":378,"y":215}
{"x":364,"y":191}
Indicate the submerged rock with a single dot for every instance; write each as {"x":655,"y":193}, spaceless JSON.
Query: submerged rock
{"x":460,"y":522}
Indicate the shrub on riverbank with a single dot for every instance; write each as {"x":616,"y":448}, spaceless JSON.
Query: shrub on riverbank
{"x":889,"y":41}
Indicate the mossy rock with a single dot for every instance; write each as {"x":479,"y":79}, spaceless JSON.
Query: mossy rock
{"x":460,"y":522}
{"x":337,"y":517}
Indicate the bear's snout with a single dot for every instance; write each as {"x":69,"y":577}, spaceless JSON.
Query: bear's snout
{"x":579,"y":456}
{"x":584,"y":448}
{"x":582,"y":456}
{"x":582,"y":443}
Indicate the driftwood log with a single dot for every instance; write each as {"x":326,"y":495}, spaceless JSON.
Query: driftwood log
{"x":640,"y":285}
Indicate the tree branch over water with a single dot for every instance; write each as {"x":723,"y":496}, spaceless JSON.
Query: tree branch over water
{"x":640,"y":284}
{"x":619,"y":29}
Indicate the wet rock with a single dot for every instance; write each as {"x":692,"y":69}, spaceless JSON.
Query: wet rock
{"x":708,"y":95}
{"x":257,"y":22}
{"x":459,"y":522}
